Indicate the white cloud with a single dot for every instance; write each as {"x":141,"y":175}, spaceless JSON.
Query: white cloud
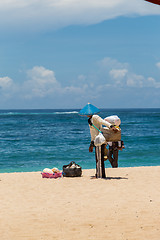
{"x":40,"y":14}
{"x":5,"y":83}
{"x":158,"y":64}
{"x":81,"y":78}
{"x":7,"y":88}
{"x":42,"y":76}
{"x":74,"y":90}
{"x":111,"y":63}
{"x":153,"y":83}
{"x":118,"y":73}
{"x":42,"y":82}
{"x":134,"y":80}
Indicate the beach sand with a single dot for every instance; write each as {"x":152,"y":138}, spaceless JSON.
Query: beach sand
{"x":124,"y":206}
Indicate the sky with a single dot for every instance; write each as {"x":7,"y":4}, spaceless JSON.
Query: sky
{"x":62,"y":54}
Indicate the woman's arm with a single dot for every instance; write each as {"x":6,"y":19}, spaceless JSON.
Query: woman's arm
{"x":101,"y":121}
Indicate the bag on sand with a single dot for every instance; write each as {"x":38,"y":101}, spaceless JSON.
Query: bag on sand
{"x":72,"y":170}
{"x":110,"y":135}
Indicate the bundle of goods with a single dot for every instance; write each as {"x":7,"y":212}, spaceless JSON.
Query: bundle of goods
{"x":99,"y":140}
{"x":108,"y":133}
{"x":114,"y":120}
{"x":72,"y":170}
{"x":51,"y":173}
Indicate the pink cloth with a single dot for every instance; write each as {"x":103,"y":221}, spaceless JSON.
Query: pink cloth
{"x":50,"y":175}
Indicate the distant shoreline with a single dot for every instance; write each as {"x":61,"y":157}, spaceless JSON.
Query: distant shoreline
{"x":83,"y":169}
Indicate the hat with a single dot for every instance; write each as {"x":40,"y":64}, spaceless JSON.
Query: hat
{"x":89,"y":109}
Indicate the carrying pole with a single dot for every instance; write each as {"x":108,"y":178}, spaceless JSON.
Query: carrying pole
{"x":98,"y":162}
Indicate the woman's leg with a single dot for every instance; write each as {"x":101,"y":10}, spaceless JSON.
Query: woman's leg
{"x":115,"y":158}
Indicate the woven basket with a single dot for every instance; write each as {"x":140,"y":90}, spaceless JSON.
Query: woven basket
{"x":110,"y":135}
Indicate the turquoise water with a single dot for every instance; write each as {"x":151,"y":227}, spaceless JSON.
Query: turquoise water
{"x":31,"y":140}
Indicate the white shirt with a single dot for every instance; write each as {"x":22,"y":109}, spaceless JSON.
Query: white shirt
{"x":97,"y":121}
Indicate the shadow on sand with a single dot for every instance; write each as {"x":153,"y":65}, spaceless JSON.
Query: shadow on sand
{"x":110,"y":178}
{"x":117,"y":178}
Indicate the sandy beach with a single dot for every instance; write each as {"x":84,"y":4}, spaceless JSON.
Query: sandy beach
{"x":124,"y":206}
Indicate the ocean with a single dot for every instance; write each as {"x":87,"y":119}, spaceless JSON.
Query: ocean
{"x":31,"y":140}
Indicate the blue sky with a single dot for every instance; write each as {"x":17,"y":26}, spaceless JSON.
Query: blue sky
{"x":66,"y":53}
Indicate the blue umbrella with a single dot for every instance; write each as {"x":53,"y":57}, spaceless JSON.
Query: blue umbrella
{"x":89,"y":109}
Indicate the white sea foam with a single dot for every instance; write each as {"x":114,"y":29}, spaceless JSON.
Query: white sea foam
{"x":72,"y":112}
{"x":36,"y":113}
